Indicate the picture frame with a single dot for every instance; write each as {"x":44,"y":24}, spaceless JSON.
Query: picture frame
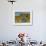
{"x":24,"y":18}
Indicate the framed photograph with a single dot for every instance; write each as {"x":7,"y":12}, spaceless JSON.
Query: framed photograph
{"x":23,"y":18}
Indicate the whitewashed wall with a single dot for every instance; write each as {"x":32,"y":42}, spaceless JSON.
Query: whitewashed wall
{"x":9,"y":31}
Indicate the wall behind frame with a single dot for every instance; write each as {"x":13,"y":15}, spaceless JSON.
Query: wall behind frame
{"x":37,"y":30}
